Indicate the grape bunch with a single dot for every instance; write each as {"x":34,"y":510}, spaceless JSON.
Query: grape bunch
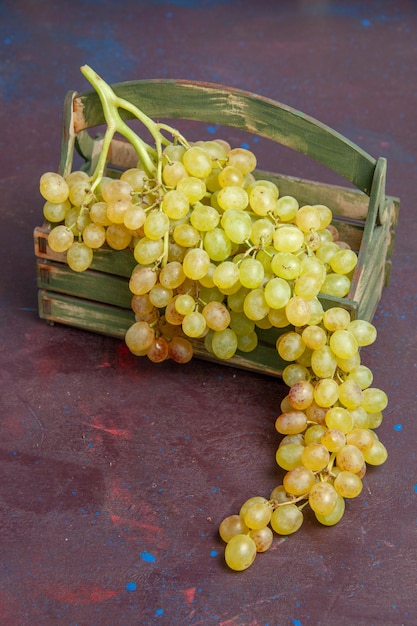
{"x":220,"y":254}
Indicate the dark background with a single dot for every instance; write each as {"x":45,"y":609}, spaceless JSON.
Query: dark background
{"x":115,"y":473}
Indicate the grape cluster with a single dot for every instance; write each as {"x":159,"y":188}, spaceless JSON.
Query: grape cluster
{"x":219,"y":255}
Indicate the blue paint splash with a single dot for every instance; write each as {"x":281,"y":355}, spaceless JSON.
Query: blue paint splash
{"x":131,"y":586}
{"x":147,"y":557}
{"x":398,"y":427}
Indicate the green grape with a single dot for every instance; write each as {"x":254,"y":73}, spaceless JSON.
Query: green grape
{"x":293,"y":373}
{"x":326,"y":215}
{"x":243,"y":159}
{"x":147,"y":251}
{"x":75,"y":176}
{"x":53,"y":187}
{"x":323,"y":362}
{"x":347,"y":365}
{"x":314,"y":337}
{"x":79,"y":256}
{"x":224,"y":343}
{"x":362,"y":438}
{"x":343,"y":262}
{"x":373,"y":420}
{"x":312,"y":266}
{"x":347,"y":484}
{"x":217,"y":149}
{"x":237,"y":225}
{"x":197,"y":162}
{"x":56,"y":212}
{"x":298,"y":311}
{"x":307,"y":286}
{"x":308,"y":218}
{"x":247,"y":343}
{"x":288,"y":238}
{"x":314,"y":433}
{"x":326,"y":251}
{"x":173,"y":152}
{"x":160,"y":295}
{"x":135,"y":177}
{"x":240,"y":324}
{"x":240,"y":552}
{"x":361,"y":375}
{"x":60,"y":239}
{"x":231,"y":526}
{"x":255,"y":305}
{"x":134,"y":217}
{"x":336,"y":318}
{"x":262,"y":232}
{"x":301,"y":394}
{"x":118,"y":236}
{"x":350,"y":458}
{"x":316,"y":309}
{"x":139,"y":337}
{"x":251,"y":273}
{"x":249,"y":502}
{"x":336,"y":514}
{"x":156,"y":225}
{"x":193,"y":188}
{"x":316,"y":413}
{"x":279,"y":495}
{"x":290,"y":346}
{"x":286,"y":208}
{"x":323,"y":498}
{"x":360,"y":418}
{"x":172,"y":275}
{"x":231,"y":175}
{"x":173,"y":172}
{"x":340,"y":418}
{"x":337,"y":285}
{"x":377,"y":454}
{"x":263,"y":538}
{"x":232,"y":197}
{"x":217,"y":244}
{"x":216,"y":315}
{"x":141,"y":305}
{"x":291,"y":422}
{"x":186,"y":235}
{"x":98,"y":214}
{"x":277,"y":293}
{"x":115,"y":190}
{"x":142,"y":280}
{"x":315,"y":456}
{"x":374,"y":400}
{"x":299,"y":481}
{"x":204,"y":218}
{"x":258,"y":515}
{"x":278,"y":318}
{"x":333,"y":439}
{"x":196,"y":263}
{"x":286,"y":519}
{"x":184,"y":304}
{"x":226,"y":275}
{"x":94,"y":236}
{"x":350,"y":394}
{"x":175,"y":204}
{"x":364,"y":332}
{"x":235,"y":301}
{"x":117,"y":209}
{"x":194,"y":324}
{"x":326,"y":392}
{"x":262,"y":200}
{"x":76,"y":220}
{"x":288,"y":456}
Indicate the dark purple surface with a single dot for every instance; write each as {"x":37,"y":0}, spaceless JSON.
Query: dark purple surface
{"x":115,"y":473}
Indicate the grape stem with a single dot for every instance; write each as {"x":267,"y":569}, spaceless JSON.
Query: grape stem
{"x":111,"y":103}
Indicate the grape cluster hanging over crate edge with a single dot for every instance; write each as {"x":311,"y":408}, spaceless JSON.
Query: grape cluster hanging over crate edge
{"x":219,"y":255}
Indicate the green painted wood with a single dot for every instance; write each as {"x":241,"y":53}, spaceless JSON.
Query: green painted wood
{"x":96,"y":286}
{"x":225,"y":106}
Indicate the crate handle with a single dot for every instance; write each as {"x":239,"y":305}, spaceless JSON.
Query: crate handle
{"x":225,"y":106}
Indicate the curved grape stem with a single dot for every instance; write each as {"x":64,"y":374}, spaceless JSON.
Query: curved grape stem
{"x":111,"y":103}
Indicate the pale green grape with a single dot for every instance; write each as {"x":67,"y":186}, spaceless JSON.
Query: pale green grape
{"x":291,"y":423}
{"x":196,"y":263}
{"x":364,"y":332}
{"x":301,"y":394}
{"x":258,"y":515}
{"x":286,"y":265}
{"x":94,"y":236}
{"x":290,"y":346}
{"x":288,"y":238}
{"x":232,"y":197}
{"x":350,"y":394}
{"x":315,"y":456}
{"x":314,"y":337}
{"x":240,"y":552}
{"x":237,"y":225}
{"x":288,"y":456}
{"x":117,"y":209}
{"x":56,"y":212}
{"x":362,"y":438}
{"x":156,"y":225}
{"x":160,"y":295}
{"x":308,"y":218}
{"x":343,"y":262}
{"x":326,"y":392}
{"x":350,"y":458}
{"x":240,"y":324}
{"x":231,"y":175}
{"x":337,"y":285}
{"x":374,"y":400}
{"x":186,"y":235}
{"x":147,"y":251}
{"x":231,"y":526}
{"x":343,"y":344}
{"x":255,"y":305}
{"x":216,"y":315}
{"x":247,"y":343}
{"x":299,"y":481}
{"x":139,"y":337}
{"x":347,"y":484}
{"x":197,"y":162}
{"x":98,"y":214}
{"x":377,"y":454}
{"x":336,"y":514}
{"x":362,"y":375}
{"x":323,"y":498}
{"x":243,"y":159}
{"x":251,"y":273}
{"x":134,"y":217}
{"x":314,"y":433}
{"x":277,"y":292}
{"x":193,"y":188}
{"x":217,"y":244}
{"x":298,"y":311}
{"x":60,"y":239}
{"x":142,"y":280}
{"x":249,"y":502}
{"x":262,"y":200}
{"x":115,"y":190}
{"x":262,"y":232}
{"x":293,"y":373}
{"x":194,"y":324}
{"x":136,"y":178}
{"x":333,"y":439}
{"x":339,"y":418}
{"x":204,"y":217}
{"x":79,"y":256}
{"x":307,"y":286}
{"x":175,"y":204}
{"x":118,"y":236}
{"x":336,"y":318}
{"x":53,"y":187}
{"x":286,"y":208}
{"x":286,"y":519}
{"x":263,"y":538}
{"x":172,"y":275}
{"x":224,"y":343}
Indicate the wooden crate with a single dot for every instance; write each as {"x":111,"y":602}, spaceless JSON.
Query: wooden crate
{"x":99,"y":299}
